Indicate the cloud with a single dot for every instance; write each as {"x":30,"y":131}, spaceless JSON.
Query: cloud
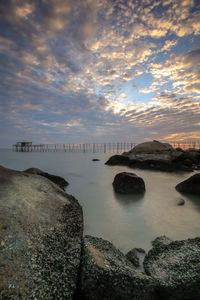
{"x":76,"y":62}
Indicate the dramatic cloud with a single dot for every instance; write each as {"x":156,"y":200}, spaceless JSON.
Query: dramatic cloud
{"x":99,"y":70}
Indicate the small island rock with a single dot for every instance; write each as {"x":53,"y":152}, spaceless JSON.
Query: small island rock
{"x":190,"y":185}
{"x":155,"y":155}
{"x":126,"y":183}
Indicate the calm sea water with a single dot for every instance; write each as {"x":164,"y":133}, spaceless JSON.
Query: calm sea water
{"x":127,"y":221}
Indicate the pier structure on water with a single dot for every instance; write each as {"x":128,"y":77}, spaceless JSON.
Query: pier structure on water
{"x":92,"y":147}
{"x":76,"y":147}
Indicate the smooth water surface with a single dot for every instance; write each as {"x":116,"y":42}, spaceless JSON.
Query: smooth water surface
{"x":126,"y":220}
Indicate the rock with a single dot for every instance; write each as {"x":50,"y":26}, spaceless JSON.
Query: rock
{"x":107,"y":274}
{"x":151,"y":146}
{"x":181,"y":202}
{"x":190,"y":185}
{"x":118,"y":160}
{"x":179,"y":149}
{"x":176,"y":267}
{"x":125,"y":183}
{"x":134,"y":256}
{"x":95,"y":159}
{"x":158,"y":156}
{"x":61,"y":182}
{"x":188,"y":158}
{"x":162,"y":240}
{"x":160,"y":165}
{"x":41,"y":231}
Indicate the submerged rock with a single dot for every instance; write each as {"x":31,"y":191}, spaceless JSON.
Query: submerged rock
{"x":176,"y":267}
{"x":61,"y":182}
{"x":126,"y":183}
{"x":190,"y":185}
{"x":181,"y":202}
{"x":41,"y":232}
{"x":107,"y":274}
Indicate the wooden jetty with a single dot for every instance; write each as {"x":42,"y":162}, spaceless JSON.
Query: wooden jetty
{"x":80,"y":147}
{"x":92,"y":147}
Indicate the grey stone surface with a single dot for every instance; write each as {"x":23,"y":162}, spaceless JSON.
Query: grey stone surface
{"x":61,"y":182}
{"x":190,"y":185}
{"x":135,"y":255}
{"x":41,"y":232}
{"x":106,"y":274}
{"x":126,"y":183}
{"x":176,"y":267}
{"x":161,"y":241}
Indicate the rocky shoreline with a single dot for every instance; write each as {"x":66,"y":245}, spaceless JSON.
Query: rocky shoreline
{"x":155,"y":155}
{"x":44,"y":255}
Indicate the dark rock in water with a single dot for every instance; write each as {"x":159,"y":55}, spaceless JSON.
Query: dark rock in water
{"x":40,"y":231}
{"x":162,"y":240}
{"x":176,"y":267}
{"x":95,"y":159}
{"x":125,"y":183}
{"x":160,"y":165}
{"x":118,"y":160}
{"x":181,"y":202}
{"x":61,"y":182}
{"x":133,"y":256}
{"x":190,"y":185}
{"x":188,"y":158}
{"x":107,"y":274}
{"x":179,"y":149}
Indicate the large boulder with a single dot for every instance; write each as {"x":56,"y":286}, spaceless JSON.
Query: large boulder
{"x":107,"y":274}
{"x":41,"y":232}
{"x":126,"y":183}
{"x":176,"y":268}
{"x":151,"y":146}
{"x":61,"y":182}
{"x":190,"y":185}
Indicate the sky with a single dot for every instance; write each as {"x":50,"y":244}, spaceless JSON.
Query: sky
{"x":74,"y":71}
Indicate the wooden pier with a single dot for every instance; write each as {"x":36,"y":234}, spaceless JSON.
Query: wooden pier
{"x":93,"y":147}
{"x":81,"y":147}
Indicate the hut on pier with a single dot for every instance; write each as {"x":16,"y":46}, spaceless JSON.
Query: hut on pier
{"x":23,"y":146}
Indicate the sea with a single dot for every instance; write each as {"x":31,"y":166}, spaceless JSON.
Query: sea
{"x":128,"y":221}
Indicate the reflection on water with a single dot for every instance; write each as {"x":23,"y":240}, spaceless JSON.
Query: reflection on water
{"x":131,"y":199}
{"x":126,"y":220}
